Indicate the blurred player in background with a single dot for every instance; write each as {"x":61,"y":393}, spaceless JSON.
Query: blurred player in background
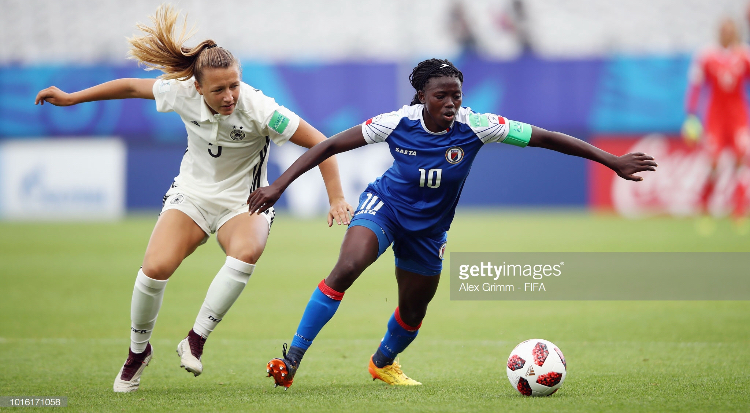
{"x":229,"y":126}
{"x":725,"y":69}
{"x":433,"y":142}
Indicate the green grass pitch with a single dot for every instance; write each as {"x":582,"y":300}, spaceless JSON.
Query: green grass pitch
{"x":66,"y":290}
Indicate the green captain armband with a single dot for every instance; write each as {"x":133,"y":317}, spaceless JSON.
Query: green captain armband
{"x":519,"y":134}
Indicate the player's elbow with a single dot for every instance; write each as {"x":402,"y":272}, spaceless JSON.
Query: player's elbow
{"x":329,"y":148}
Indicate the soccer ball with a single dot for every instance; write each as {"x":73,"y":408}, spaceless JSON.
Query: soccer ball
{"x":536,"y":368}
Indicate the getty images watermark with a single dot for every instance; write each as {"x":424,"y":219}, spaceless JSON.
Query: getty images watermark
{"x":600,"y":276}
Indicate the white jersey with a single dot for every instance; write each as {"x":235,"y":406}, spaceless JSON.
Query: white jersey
{"x":227,"y":155}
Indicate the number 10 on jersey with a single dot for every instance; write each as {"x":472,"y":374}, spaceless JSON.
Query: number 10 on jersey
{"x":431,"y":177}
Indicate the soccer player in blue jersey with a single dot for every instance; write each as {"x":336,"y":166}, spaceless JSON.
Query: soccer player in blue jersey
{"x":411,"y":206}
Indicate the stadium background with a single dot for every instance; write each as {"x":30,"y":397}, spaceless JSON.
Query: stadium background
{"x":595,"y":71}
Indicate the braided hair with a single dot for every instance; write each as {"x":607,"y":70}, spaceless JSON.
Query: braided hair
{"x":428,"y":69}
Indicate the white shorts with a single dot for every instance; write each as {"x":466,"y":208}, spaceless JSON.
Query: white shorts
{"x":209,"y":216}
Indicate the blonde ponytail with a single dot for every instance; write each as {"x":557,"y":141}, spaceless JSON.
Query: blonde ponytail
{"x":161,"y":49}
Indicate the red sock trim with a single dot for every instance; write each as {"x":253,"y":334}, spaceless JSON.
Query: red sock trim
{"x":330,"y":292}
{"x":404,"y":325}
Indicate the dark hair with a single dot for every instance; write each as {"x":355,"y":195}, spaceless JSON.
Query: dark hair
{"x":428,"y":69}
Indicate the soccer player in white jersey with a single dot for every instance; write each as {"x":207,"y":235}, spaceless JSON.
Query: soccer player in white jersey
{"x":229,"y":126}
{"x":433,"y":142}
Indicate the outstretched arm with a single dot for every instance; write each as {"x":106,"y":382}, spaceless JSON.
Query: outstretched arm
{"x":625,"y":166}
{"x":115,"y":89}
{"x":263,"y":198}
{"x":307,"y":137}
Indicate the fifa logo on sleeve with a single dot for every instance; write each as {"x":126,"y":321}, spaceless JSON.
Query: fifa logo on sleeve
{"x":278,"y":122}
{"x":479,"y":120}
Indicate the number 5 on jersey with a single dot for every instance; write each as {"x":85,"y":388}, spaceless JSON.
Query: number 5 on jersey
{"x":432,"y":177}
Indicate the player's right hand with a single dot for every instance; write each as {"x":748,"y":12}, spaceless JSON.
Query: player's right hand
{"x":263,"y":198}
{"x":692,"y":130}
{"x":54,"y":96}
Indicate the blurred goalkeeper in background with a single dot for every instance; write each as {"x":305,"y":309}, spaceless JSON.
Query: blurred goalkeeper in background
{"x":725,"y":69}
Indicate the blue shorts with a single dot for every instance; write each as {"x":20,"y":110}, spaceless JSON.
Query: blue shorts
{"x":415,"y":253}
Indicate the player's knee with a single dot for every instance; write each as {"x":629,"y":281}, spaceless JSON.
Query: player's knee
{"x":349,"y":268}
{"x":247,"y":255}
{"x":245,"y":251}
{"x":158,"y":270}
{"x":344,"y":274}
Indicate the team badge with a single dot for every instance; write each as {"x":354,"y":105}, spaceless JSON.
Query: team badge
{"x":237,"y":134}
{"x":454,"y":155}
{"x":442,"y":250}
{"x":177,"y":199}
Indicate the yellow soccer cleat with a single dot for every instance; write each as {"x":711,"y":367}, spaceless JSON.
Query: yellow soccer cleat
{"x":392,"y":375}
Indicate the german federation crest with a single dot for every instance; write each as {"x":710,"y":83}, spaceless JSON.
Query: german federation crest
{"x":237,"y":134}
{"x":454,"y":155}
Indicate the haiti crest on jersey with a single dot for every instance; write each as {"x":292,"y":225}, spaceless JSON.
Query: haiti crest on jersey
{"x":237,"y":134}
{"x":454,"y":155}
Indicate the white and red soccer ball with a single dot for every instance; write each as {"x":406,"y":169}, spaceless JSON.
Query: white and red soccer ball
{"x":536,"y":368}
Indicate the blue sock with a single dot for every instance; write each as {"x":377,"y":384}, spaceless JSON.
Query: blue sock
{"x":320,"y":309}
{"x":397,"y":338}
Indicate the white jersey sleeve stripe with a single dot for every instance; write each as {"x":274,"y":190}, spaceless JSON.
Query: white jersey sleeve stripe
{"x":494,"y":133}
{"x":379,"y":128}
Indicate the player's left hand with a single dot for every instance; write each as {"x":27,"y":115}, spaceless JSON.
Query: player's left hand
{"x":626,"y":166}
{"x":340,"y":211}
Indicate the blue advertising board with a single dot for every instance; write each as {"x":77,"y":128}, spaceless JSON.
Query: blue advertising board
{"x":579,"y":97}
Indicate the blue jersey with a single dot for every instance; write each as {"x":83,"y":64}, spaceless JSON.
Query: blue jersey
{"x":429,"y":169}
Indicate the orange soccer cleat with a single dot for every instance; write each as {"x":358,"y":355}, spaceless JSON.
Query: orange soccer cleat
{"x":282,"y":370}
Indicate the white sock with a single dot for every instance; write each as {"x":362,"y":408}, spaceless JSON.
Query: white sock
{"x":223,"y":292}
{"x":144,"y":308}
